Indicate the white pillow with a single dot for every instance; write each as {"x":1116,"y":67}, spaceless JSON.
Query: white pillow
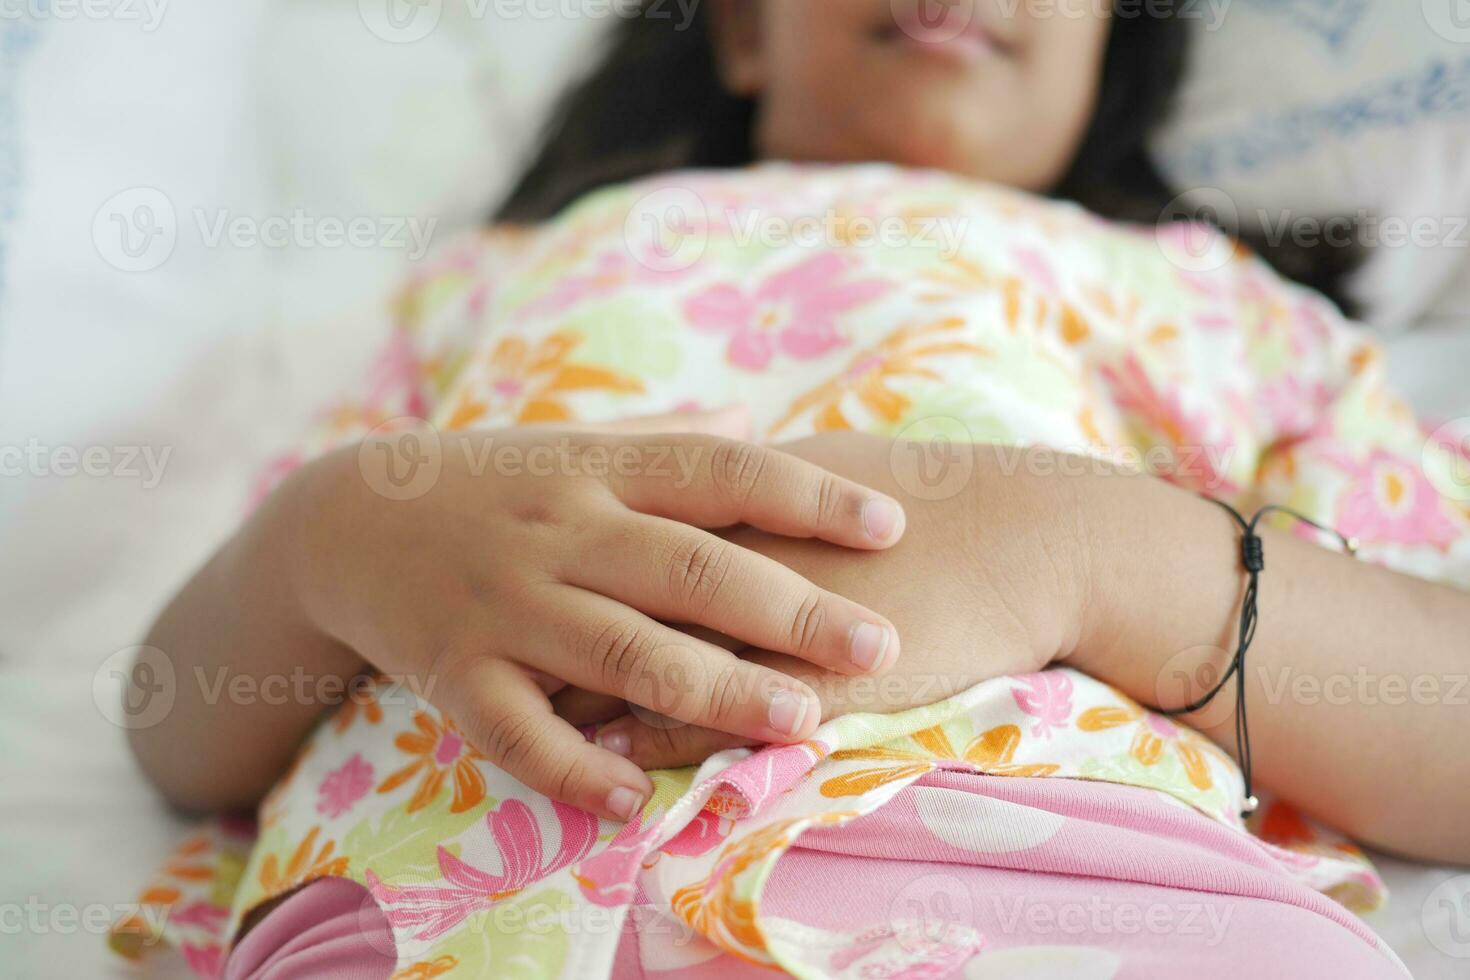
{"x":1308,"y":109}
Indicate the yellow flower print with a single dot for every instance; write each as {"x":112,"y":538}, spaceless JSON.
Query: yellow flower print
{"x":441,"y":751}
{"x":528,"y":383}
{"x":306,"y":864}
{"x":1022,"y":306}
{"x":867,"y":378}
{"x":990,"y":752}
{"x":1154,"y":734}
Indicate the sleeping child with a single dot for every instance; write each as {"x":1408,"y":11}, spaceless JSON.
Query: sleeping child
{"x":781,"y":544}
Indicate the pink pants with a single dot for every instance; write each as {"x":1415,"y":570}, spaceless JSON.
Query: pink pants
{"x":1149,"y":889}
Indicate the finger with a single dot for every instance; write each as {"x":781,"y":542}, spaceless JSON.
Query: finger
{"x":504,"y":714}
{"x":712,"y":482}
{"x":730,"y":422}
{"x":601,"y":645}
{"x":656,"y":746}
{"x":674,"y":572}
{"x":580,"y":708}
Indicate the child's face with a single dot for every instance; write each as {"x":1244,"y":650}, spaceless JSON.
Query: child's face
{"x":996,"y":89}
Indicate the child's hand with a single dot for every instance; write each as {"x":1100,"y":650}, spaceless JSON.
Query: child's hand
{"x":987,"y":582}
{"x":540,"y":559}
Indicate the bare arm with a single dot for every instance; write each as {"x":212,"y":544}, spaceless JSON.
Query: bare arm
{"x":1356,"y":683}
{"x":1357,"y":696}
{"x":251,"y":673}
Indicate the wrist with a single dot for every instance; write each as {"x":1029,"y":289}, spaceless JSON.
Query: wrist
{"x":296,"y":545}
{"x":1164,"y":589}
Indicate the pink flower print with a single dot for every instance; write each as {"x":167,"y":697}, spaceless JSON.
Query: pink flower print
{"x":1047,"y":697}
{"x":206,"y":961}
{"x":201,"y":915}
{"x":344,"y":786}
{"x":1160,"y":414}
{"x":700,"y":836}
{"x":1390,"y":499}
{"x":395,"y":379}
{"x":610,"y":272}
{"x":433,"y":910}
{"x":608,"y":878}
{"x":1294,"y":408}
{"x":794,"y":311}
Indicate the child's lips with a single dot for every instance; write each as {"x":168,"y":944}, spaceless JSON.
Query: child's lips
{"x":959,"y":33}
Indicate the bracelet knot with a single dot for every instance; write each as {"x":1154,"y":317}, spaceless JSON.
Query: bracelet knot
{"x":1252,"y":552}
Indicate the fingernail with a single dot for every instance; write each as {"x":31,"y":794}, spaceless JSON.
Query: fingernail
{"x":618,"y":743}
{"x":867,"y":645}
{"x":880,"y":519}
{"x":787,"y":712}
{"x":624,"y":802}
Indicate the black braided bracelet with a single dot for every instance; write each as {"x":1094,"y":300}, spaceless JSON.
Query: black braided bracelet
{"x":1253,"y":557}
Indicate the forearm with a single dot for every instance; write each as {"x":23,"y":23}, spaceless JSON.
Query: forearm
{"x":250,"y":675}
{"x":1355,"y":683}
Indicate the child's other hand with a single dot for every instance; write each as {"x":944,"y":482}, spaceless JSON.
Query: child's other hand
{"x":987,"y":582}
{"x":541,"y":558}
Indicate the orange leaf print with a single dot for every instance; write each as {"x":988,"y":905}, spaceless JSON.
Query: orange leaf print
{"x":306,"y":863}
{"x":427,"y":971}
{"x":868,"y":379}
{"x":1101,"y":719}
{"x":527,"y":384}
{"x":866,"y":780}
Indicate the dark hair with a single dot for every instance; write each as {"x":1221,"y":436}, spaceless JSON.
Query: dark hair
{"x":656,"y":102}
